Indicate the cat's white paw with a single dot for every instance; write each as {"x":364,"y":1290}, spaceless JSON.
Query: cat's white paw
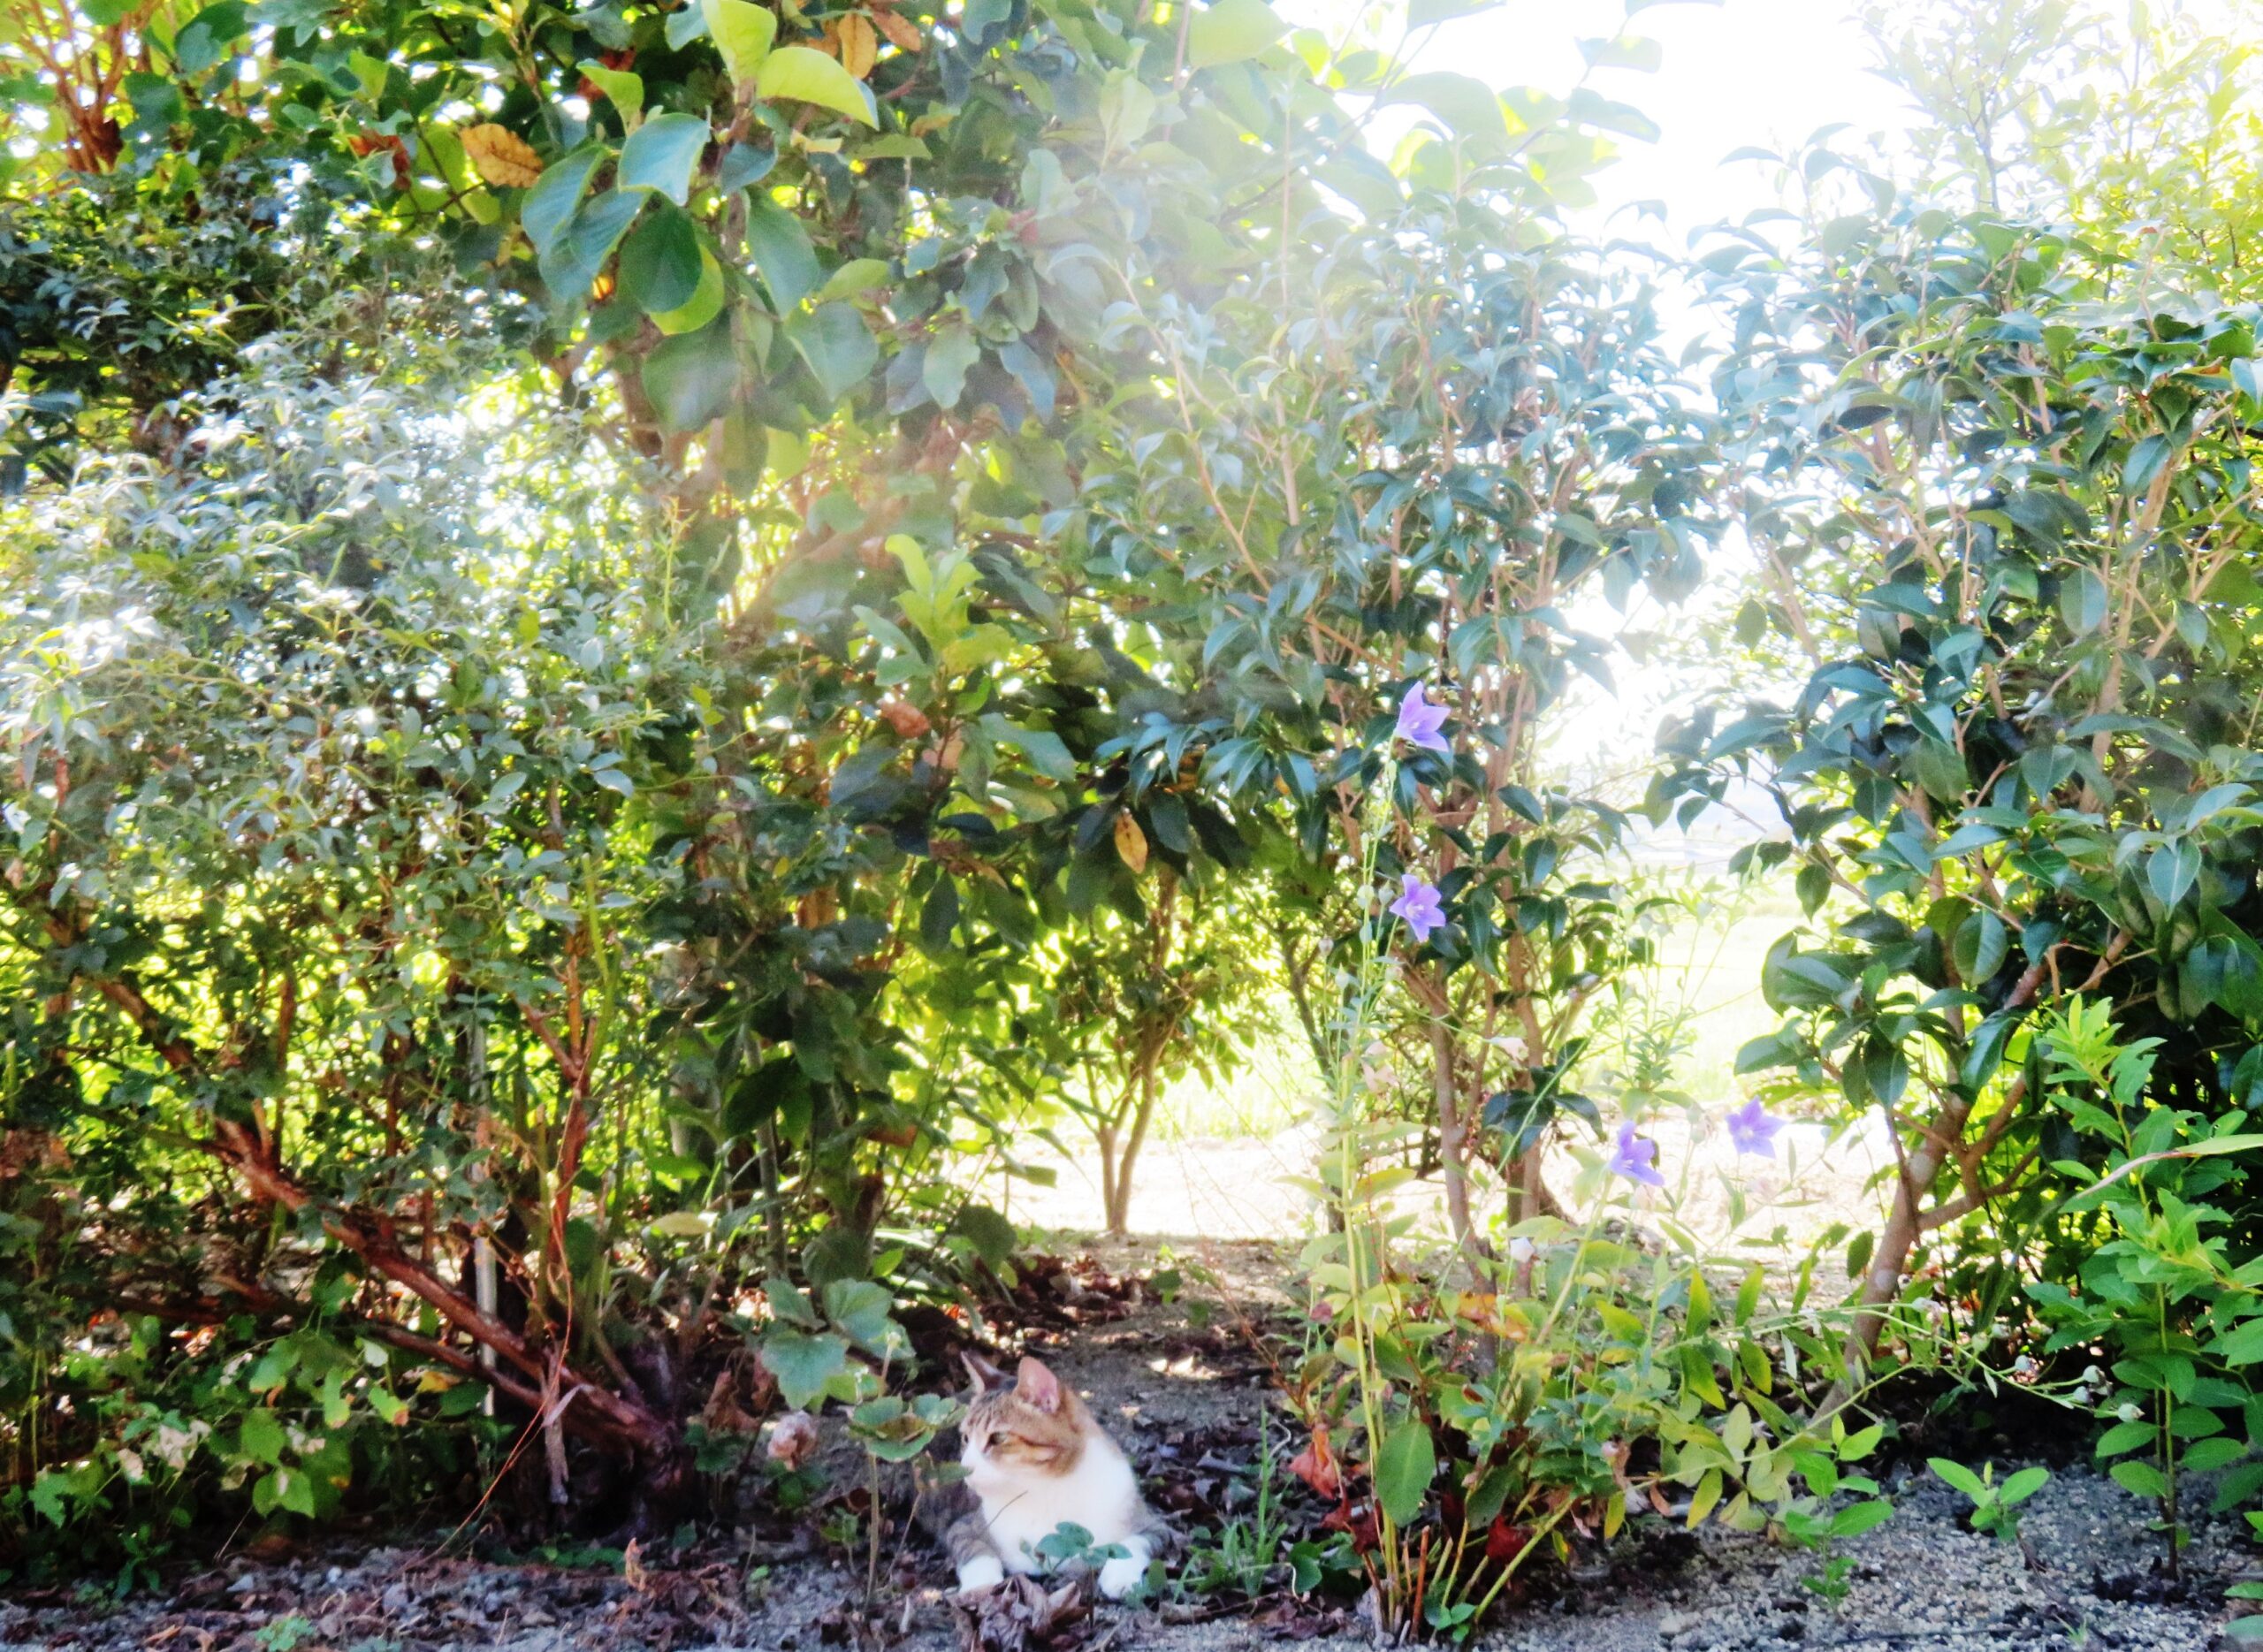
{"x":982,"y":1572}
{"x":1118,"y":1577}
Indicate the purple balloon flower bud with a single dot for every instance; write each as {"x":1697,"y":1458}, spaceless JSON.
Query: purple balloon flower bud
{"x":1751,"y":1129}
{"x":1636,"y":1158}
{"x":1418,"y":904}
{"x":1420,"y":722}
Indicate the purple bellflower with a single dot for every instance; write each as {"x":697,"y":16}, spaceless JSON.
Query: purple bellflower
{"x":1752,"y":1130}
{"x":1418,"y":904}
{"x":1636,"y":1158}
{"x":1421,"y":723}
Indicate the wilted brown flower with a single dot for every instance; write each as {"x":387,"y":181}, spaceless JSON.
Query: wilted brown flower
{"x":793,"y":1440}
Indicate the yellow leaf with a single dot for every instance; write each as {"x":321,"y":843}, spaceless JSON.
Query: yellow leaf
{"x":1708,"y":1494}
{"x":857,"y":44}
{"x":1130,"y":843}
{"x":900,"y":32}
{"x":500,"y":156}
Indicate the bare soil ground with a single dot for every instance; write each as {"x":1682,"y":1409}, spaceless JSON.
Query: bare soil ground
{"x":1186,"y":1386}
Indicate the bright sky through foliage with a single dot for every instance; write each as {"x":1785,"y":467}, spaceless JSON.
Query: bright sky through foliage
{"x":1747,"y":73}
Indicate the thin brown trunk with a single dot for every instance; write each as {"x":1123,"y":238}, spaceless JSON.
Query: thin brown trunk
{"x":1905,"y":1221}
{"x":1453,"y":1147}
{"x":1529,"y":1194}
{"x":1105,"y":1135}
{"x":1119,"y":1203}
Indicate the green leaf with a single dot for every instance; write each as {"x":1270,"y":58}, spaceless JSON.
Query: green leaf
{"x":841,"y":351}
{"x":1468,"y":107}
{"x":993,"y":1237}
{"x":1939,"y":768}
{"x":1045,"y":749}
{"x":2020,"y":1487}
{"x":2125,"y":1436}
{"x":2243,"y":1345}
{"x":622,"y":88}
{"x":859,"y":274}
{"x":2082,"y":602}
{"x":949,"y":354}
{"x":297,"y":1490}
{"x":1981,"y":945}
{"x":260,"y":1436}
{"x":1959,"y":1476}
{"x":2204,"y":1456}
{"x":939,"y":916}
{"x":1987,"y":1051}
{"x":744,"y":33}
{"x":551,"y":202}
{"x":1857,"y":1517}
{"x":1965,"y":839}
{"x":744,"y":163}
{"x":1862,"y":1442}
{"x":2144,"y":463}
{"x":809,"y":76}
{"x":839,"y":1251}
{"x":782,"y":252}
{"x":660,"y":263}
{"x":788,"y":1304}
{"x":49,"y":1494}
{"x":1231,"y":31}
{"x":2142,"y":1478}
{"x":662,"y":154}
{"x":1403,"y":1469}
{"x":2172,"y":870}
{"x":692,"y":377}
{"x":206,"y":37}
{"x":803,"y":1363}
{"x":704,"y":304}
{"x":157,"y":100}
{"x":587,"y":240}
{"x":861,"y":1308}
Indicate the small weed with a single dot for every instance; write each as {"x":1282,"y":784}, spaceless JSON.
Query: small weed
{"x":284,"y":1634}
{"x":1995,"y":1508}
{"x":1831,"y":1581}
{"x":1241,"y":1557}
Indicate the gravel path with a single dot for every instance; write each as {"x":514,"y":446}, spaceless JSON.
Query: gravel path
{"x":1174,"y":1382}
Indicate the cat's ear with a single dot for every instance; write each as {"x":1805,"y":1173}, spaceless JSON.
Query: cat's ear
{"x":986,"y":1376}
{"x":1033,"y":1383}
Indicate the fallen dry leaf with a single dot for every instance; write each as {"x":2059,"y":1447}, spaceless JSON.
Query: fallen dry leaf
{"x":1315,"y":1466}
{"x":1022,"y":1615}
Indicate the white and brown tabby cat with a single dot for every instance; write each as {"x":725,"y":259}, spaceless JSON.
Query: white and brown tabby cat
{"x":1036,"y":1459}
